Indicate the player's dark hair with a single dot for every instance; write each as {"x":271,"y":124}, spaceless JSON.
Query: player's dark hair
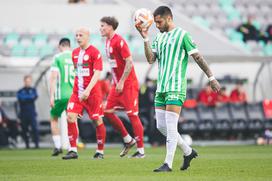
{"x":163,"y":11}
{"x":110,"y":20}
{"x":64,"y":42}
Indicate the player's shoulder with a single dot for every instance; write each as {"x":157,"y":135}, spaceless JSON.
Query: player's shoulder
{"x":92,"y":49}
{"x":76,"y":50}
{"x":93,"y":52}
{"x":118,"y":38}
{"x":60,"y":54}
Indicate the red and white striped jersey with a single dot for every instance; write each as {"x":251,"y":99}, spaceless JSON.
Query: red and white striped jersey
{"x":85,"y":63}
{"x":117,"y":51}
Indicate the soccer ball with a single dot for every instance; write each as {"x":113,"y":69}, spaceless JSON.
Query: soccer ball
{"x":143,"y":18}
{"x":80,"y":145}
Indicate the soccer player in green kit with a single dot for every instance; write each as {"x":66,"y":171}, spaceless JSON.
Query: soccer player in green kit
{"x":61,"y":86}
{"x":172,"y":48}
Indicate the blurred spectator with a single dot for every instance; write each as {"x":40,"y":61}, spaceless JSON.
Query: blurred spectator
{"x":8,"y":129}
{"x":3,"y":128}
{"x":27,"y":113}
{"x":222,"y":96}
{"x":147,"y":94}
{"x":238,"y":94}
{"x":269,"y":32}
{"x":248,"y":30}
{"x":207,"y":96}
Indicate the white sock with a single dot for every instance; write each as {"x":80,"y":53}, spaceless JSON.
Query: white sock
{"x":127,"y":138}
{"x":161,"y":126}
{"x":172,"y":136}
{"x":74,"y":149}
{"x":140,"y":150}
{"x":100,"y":151}
{"x":56,"y":140}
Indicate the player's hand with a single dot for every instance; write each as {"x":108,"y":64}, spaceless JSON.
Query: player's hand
{"x":52,"y":101}
{"x":84,"y":95}
{"x":143,"y":31}
{"x":119,"y":87}
{"x":215,"y":85}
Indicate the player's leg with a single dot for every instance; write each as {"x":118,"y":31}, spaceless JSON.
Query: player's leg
{"x":138,"y":131}
{"x":55,"y":114}
{"x":115,"y":121}
{"x":161,"y":126}
{"x":173,"y":107}
{"x":74,"y":107}
{"x":130,"y":102}
{"x":100,"y":138}
{"x":95,"y":111}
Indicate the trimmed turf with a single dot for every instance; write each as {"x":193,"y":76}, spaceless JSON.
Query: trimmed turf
{"x":214,"y":163}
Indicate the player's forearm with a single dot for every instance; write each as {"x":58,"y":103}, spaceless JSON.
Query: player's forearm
{"x":52,"y":88}
{"x":127,"y":69}
{"x":150,"y":56}
{"x":202,"y":64}
{"x":94,"y":80}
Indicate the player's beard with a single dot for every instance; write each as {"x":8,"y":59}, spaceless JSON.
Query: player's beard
{"x":165,"y":28}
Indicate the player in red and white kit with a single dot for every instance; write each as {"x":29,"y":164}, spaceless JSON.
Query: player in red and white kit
{"x":86,"y":93}
{"x":125,"y":89}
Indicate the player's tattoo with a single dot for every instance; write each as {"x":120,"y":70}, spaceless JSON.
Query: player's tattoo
{"x":202,"y":64}
{"x":150,"y":56}
{"x":127,"y":69}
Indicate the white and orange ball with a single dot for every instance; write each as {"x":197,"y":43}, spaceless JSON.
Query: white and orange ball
{"x":143,"y":18}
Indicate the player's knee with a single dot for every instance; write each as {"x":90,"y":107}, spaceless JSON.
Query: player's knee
{"x":108,"y":111}
{"x":98,"y":122}
{"x":71,"y":118}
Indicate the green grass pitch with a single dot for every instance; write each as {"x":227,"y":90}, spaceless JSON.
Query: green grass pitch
{"x":214,"y":163}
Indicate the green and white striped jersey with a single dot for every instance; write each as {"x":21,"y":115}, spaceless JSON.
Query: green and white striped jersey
{"x":173,"y":49}
{"x":64,"y":65}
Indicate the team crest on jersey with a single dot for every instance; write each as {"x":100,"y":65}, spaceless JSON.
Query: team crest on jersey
{"x":86,"y":57}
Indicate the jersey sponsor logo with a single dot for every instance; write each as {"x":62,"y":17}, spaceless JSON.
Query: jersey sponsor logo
{"x":70,"y":105}
{"x":86,"y":57}
{"x":75,"y":56}
{"x":83,"y":72}
{"x":111,"y":49}
{"x":113,"y":63}
{"x":82,"y":64}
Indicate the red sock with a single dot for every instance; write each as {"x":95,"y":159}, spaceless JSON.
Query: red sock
{"x":72,"y":134}
{"x":100,"y":136}
{"x":137,"y":129}
{"x":116,"y":123}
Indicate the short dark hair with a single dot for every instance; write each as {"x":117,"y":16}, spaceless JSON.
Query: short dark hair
{"x":163,"y":11}
{"x":64,"y":42}
{"x":110,"y":20}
